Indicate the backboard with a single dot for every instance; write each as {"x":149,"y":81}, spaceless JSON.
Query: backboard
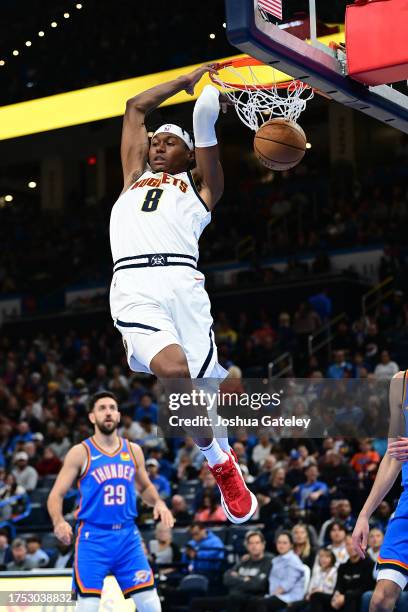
{"x":259,"y":35}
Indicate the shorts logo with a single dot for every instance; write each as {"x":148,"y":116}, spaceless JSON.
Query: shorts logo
{"x":125,"y":456}
{"x":157,"y":260}
{"x":141,"y":576}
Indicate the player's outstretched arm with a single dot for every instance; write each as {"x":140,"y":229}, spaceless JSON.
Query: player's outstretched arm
{"x":209,"y":169}
{"x":73,"y":464}
{"x":135,"y":143}
{"x":148,"y":491}
{"x":388,"y":470}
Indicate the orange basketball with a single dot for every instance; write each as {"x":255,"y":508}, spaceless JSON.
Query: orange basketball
{"x":280,"y":144}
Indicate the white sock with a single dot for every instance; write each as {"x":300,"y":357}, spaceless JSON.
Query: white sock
{"x":214,"y":454}
{"x":224,"y":444}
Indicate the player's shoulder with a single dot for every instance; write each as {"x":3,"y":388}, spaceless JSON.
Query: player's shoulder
{"x":137,"y":452}
{"x":77,"y":454}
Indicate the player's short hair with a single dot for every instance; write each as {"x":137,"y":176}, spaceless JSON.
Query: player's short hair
{"x":98,"y":396}
{"x":252,"y":533}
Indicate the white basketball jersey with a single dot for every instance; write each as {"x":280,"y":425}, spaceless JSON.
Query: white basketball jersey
{"x":160,"y":213}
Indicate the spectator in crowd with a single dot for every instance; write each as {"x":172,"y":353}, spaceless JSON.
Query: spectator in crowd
{"x":381,"y":516}
{"x":24,"y":435}
{"x":35,"y":554}
{"x":204,"y":553}
{"x":337,"y":544}
{"x":160,"y":482}
{"x":147,"y":408}
{"x":340,"y":367}
{"x":321,"y":585}
{"x":313,"y":491}
{"x":26,"y":476}
{"x":302,"y":546}
{"x":210,"y":510}
{"x":248,"y":577}
{"x":5,"y":549}
{"x":63,"y":556}
{"x":366,"y":461}
{"x":50,"y":464}
{"x":375,"y":540}
{"x":325,"y":528}
{"x":264,"y":474}
{"x":10,"y":489}
{"x":386,"y":369}
{"x":19,"y":560}
{"x":179,"y":510}
{"x":286,"y":578}
{"x":162,"y":549}
{"x":61,"y":443}
{"x":277,"y":487}
{"x":192,"y":452}
{"x":355,"y":576}
{"x":130,"y":429}
{"x":263,"y":449}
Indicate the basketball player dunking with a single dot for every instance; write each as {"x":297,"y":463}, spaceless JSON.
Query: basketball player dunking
{"x":107,"y":539}
{"x":158,"y":301}
{"x":392,"y":562}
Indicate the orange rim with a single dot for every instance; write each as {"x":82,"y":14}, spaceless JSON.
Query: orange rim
{"x":243,"y":62}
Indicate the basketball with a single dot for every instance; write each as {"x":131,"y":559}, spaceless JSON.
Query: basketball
{"x":280,"y":144}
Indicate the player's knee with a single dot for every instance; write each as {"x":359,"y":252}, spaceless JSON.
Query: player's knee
{"x":87,"y":604}
{"x":174,"y":370}
{"x":384,"y":597}
{"x":148,"y":601}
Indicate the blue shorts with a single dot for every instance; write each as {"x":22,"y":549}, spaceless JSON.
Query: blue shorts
{"x":117,"y":551}
{"x":394,"y":550}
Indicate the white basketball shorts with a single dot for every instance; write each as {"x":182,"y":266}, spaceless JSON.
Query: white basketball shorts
{"x":164,"y":304}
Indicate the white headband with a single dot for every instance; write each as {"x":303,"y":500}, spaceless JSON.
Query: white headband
{"x":170,"y":128}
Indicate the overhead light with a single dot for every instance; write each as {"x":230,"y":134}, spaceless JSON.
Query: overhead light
{"x":224,"y":25}
{"x":212,"y":36}
{"x":28,"y":43}
{"x":2,"y":63}
{"x":78,"y":6}
{"x":15,"y":52}
{"x":32,"y":184}
{"x":66,"y":15}
{"x":308,"y":145}
{"x":41,"y":33}
{"x":54,"y":24}
{"x":8,"y":198}
{"x":30,"y":84}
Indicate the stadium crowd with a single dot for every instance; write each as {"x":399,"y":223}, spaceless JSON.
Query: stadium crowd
{"x":309,"y":490}
{"x":117,"y":42}
{"x":288,"y":225}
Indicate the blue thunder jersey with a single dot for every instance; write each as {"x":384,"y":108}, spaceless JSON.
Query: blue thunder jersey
{"x":404,"y":470}
{"x":107,"y":486}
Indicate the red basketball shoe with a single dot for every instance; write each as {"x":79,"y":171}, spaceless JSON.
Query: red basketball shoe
{"x":238,"y":503}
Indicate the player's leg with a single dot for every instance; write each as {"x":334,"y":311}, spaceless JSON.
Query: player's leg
{"x":171,"y":367}
{"x":91,"y":566}
{"x":147,"y":601}
{"x":387,"y":590}
{"x":87,"y":604}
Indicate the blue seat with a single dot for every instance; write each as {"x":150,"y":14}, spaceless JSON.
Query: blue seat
{"x":196,"y":583}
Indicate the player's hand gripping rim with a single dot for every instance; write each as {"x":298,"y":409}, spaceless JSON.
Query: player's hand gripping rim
{"x":193,"y":77}
{"x":162,"y":513}
{"x":360,"y":536}
{"x":63,"y":531}
{"x":399,"y":449}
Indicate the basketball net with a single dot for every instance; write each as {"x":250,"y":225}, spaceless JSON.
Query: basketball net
{"x":256,"y":102}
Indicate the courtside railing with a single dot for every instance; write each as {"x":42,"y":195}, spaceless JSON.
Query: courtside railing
{"x":324,"y":335}
{"x":377,"y":295}
{"x":280,"y":366}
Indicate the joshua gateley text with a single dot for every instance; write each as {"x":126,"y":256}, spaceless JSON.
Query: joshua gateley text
{"x":238,"y":421}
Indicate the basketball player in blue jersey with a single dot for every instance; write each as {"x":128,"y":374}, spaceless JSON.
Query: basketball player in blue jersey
{"x":157,"y":298}
{"x":392,"y":562}
{"x":108,"y":468}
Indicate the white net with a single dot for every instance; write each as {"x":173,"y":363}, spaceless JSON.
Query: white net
{"x":256,"y":105}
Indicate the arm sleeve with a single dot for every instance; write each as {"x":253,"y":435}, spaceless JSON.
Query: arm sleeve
{"x":205,"y":115}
